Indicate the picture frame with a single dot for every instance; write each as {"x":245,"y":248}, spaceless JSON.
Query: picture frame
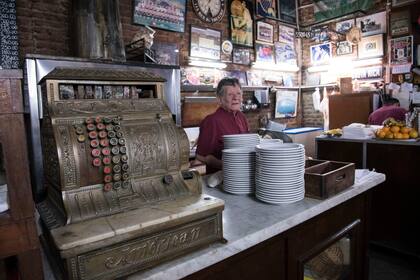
{"x":397,"y":3}
{"x":286,"y":104}
{"x":241,"y":23}
{"x":205,"y":43}
{"x":285,"y":53}
{"x":286,"y":34}
{"x":241,"y":56}
{"x":264,"y":53}
{"x":266,"y":8}
{"x":166,"y":53}
{"x":372,"y":24}
{"x":265,"y":32}
{"x":152,"y":14}
{"x":321,"y":53}
{"x":401,"y":50}
{"x":399,"y":23}
{"x":343,"y":48}
{"x":287,"y":10}
{"x":240,"y":75}
{"x":371,"y":46}
{"x":344,"y":26}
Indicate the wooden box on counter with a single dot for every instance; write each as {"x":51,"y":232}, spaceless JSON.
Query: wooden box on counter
{"x":324,"y":178}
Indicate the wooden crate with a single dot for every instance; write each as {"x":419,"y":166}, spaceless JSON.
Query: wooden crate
{"x":327,"y":178}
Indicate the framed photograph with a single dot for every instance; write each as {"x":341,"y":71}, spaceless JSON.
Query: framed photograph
{"x":205,"y":43}
{"x":253,"y":78}
{"x":321,"y":54}
{"x":264,"y":53}
{"x":321,"y":34}
{"x":285,"y":53}
{"x":241,"y":56}
{"x":164,"y":14}
{"x":241,"y":23}
{"x":372,"y":24}
{"x":265,"y":32}
{"x":344,"y":48}
{"x":287,"y":10}
{"x":240,"y":75}
{"x":400,"y":23}
{"x":401,"y":50}
{"x":344,"y":26}
{"x":286,"y":103}
{"x":396,"y":3}
{"x":371,"y":46}
{"x":166,"y":53}
{"x":266,"y":8}
{"x":286,"y":34}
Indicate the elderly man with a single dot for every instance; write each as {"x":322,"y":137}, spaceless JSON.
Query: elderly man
{"x":228,"y":119}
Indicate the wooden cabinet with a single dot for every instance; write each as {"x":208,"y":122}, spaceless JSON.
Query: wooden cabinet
{"x":330,"y":244}
{"x":18,"y":235}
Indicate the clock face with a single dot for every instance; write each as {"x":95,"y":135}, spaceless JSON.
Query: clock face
{"x":209,"y":10}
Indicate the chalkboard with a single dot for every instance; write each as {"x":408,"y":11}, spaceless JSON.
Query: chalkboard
{"x":9,"y":46}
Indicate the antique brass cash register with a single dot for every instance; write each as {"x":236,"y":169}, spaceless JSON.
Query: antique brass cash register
{"x":120,"y":195}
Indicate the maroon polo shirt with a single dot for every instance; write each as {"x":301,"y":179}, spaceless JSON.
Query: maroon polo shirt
{"x":387,"y":111}
{"x":212,"y":129}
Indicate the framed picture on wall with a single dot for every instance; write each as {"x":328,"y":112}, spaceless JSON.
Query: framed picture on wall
{"x":285,"y":53}
{"x":264,"y":53}
{"x":396,"y":3}
{"x":205,"y":43}
{"x":164,"y":14}
{"x":372,"y":24}
{"x":266,"y":8}
{"x":287,"y":10}
{"x":321,"y":54}
{"x":241,"y":23}
{"x":286,"y":103}
{"x":265,"y":32}
{"x":399,"y":23}
{"x":401,"y":50}
{"x":286,"y":34}
{"x":344,"y":48}
{"x":344,"y":26}
{"x":241,"y":56}
{"x":371,"y":46}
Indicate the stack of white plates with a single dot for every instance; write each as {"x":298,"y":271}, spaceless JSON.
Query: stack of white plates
{"x":239,"y":170}
{"x":240,"y":140}
{"x":280,"y":170}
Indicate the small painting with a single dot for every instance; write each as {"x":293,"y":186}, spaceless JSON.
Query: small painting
{"x":163,"y":14}
{"x":286,"y":34}
{"x":205,"y":43}
{"x":372,"y":24}
{"x":241,"y":56}
{"x":166,"y":53}
{"x":265,"y":32}
{"x":344,"y":48}
{"x":321,"y":54}
{"x":286,"y":103}
{"x":285,"y":53}
{"x":344,"y":26}
{"x":402,"y":50}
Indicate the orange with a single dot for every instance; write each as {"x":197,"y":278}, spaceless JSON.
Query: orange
{"x":389,"y":135}
{"x":398,"y":135}
{"x":385,"y":129}
{"x":406,"y":136}
{"x":414,"y":134}
{"x":395,"y":129}
{"x":405,"y":129}
{"x":381,"y":134}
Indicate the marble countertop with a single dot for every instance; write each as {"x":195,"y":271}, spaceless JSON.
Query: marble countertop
{"x":247,"y":222}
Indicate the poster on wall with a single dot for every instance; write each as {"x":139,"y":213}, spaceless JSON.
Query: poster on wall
{"x":371,"y":46}
{"x":400,"y":23}
{"x":9,"y":44}
{"x":166,"y":53}
{"x":327,"y":9}
{"x":372,"y":24}
{"x":163,"y":14}
{"x":265,"y":32}
{"x":401,"y":50}
{"x":321,"y":54}
{"x":344,"y":48}
{"x":241,"y":56}
{"x":286,"y":103}
{"x":205,"y":43}
{"x":241,"y":23}
{"x":286,"y":34}
{"x":287,"y":10}
{"x":266,"y":8}
{"x":264,"y":53}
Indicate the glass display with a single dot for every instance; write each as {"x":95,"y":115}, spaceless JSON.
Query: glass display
{"x":3,"y":184}
{"x":333,"y":263}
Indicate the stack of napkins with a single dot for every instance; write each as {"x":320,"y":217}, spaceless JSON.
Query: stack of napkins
{"x":359,"y":131}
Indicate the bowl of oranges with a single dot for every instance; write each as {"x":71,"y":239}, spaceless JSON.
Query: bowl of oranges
{"x":395,"y":130}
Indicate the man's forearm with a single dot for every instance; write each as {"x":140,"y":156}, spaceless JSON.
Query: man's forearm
{"x":211,"y":161}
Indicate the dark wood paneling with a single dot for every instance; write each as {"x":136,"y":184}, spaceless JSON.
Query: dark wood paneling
{"x":341,"y":151}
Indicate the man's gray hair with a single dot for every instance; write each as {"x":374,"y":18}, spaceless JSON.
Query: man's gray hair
{"x":227,"y":81}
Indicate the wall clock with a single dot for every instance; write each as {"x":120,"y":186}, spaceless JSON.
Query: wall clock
{"x":209,"y":10}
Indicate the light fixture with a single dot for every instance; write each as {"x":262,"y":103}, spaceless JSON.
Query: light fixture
{"x":275,"y":67}
{"x":206,"y":63}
